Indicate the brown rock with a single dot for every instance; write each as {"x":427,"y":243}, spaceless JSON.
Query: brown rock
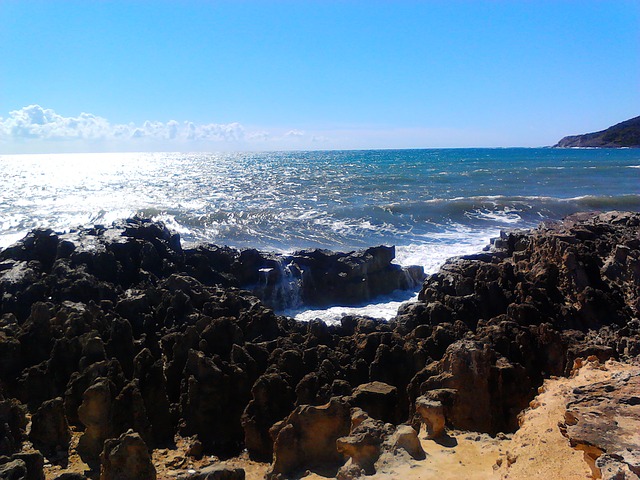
{"x":49,"y":427}
{"x":378,"y":399}
{"x":307,"y":438}
{"x":431,"y":413}
{"x":363,"y":445}
{"x":406,"y":438}
{"x":96,"y":414}
{"x":272,"y":401}
{"x":126,"y":458}
{"x":604,"y":418}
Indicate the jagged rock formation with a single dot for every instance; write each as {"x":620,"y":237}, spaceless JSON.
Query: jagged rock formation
{"x":130,"y":331}
{"x":624,"y":134}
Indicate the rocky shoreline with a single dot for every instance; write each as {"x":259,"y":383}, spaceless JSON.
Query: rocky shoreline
{"x":120,"y":338}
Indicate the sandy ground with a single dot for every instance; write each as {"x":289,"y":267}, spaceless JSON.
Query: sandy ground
{"x":537,"y":450}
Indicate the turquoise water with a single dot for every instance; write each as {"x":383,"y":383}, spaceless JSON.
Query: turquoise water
{"x":431,"y":204}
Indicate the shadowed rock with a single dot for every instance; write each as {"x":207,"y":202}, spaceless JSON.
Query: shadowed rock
{"x":49,"y":428}
{"x":126,"y":458}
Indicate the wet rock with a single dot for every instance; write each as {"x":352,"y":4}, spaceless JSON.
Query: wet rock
{"x":321,"y":277}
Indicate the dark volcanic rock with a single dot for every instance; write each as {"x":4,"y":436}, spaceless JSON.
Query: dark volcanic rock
{"x":322,"y":277}
{"x":135,"y":333}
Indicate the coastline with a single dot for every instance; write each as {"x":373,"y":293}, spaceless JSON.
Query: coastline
{"x":124,"y":317}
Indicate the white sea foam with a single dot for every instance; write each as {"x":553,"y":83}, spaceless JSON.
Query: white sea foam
{"x":10,"y":238}
{"x":384,"y":308}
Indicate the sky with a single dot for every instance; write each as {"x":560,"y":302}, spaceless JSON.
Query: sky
{"x":295,"y":75}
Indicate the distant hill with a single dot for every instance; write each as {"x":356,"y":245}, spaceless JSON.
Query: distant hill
{"x":625,"y":134}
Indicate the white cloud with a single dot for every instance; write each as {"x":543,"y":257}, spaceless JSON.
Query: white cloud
{"x":294,"y":133}
{"x":34,"y":123}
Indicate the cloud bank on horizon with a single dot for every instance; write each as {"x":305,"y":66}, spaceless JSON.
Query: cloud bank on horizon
{"x":40,"y":126}
{"x":35,"y":129}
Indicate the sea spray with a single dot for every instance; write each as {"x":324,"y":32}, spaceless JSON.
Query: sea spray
{"x":280,"y":285}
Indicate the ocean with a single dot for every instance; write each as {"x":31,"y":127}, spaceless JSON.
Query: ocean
{"x":430,"y":204}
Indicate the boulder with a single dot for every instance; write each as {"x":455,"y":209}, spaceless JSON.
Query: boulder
{"x":306,"y":439}
{"x":431,"y":413}
{"x":406,"y":438}
{"x":13,"y":422}
{"x":363,"y":445}
{"x":321,"y":277}
{"x":13,"y":470}
{"x":34,"y":461}
{"x":96,"y":414}
{"x":378,"y":399}
{"x":126,"y":458}
{"x":215,"y":472}
{"x":49,"y":428}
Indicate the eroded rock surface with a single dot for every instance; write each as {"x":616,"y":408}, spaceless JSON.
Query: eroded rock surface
{"x":134,"y":332}
{"x":603,"y":421}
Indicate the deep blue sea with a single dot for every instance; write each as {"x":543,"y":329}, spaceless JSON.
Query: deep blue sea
{"x":431,"y":204}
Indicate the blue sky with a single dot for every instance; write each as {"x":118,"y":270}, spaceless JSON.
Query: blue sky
{"x":264,"y":75}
